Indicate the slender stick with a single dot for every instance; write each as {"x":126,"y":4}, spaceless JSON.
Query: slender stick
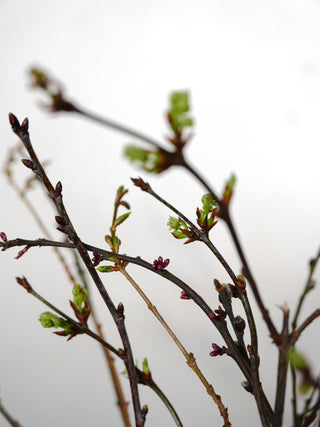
{"x":226,"y":216}
{"x":8,"y":417}
{"x":83,"y":329}
{"x":191,"y":361}
{"x":121,"y":401}
{"x":308,"y":287}
{"x":56,"y":196}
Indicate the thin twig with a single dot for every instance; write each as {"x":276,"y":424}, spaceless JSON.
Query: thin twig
{"x":83,"y":329}
{"x":8,"y":417}
{"x":56,"y":196}
{"x":307,"y":288}
{"x":191,"y":361}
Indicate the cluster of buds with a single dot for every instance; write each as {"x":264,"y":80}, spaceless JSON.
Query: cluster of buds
{"x":217,"y":351}
{"x":96,"y":259}
{"x":184,"y":295}
{"x":218,"y":314}
{"x":159,"y":264}
{"x":3,"y":237}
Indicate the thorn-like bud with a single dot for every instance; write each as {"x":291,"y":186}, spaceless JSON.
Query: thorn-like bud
{"x":60,"y":220}
{"x":14,"y":122}
{"x":28,"y":164}
{"x":24,"y":283}
{"x":139,"y":182}
{"x":144,"y":410}
{"x":59,"y":187}
{"x":25,"y":125}
{"x":120,"y":309}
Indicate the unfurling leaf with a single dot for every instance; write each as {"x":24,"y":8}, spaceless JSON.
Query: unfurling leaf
{"x":50,"y":320}
{"x":80,"y":294}
{"x":178,"y":112}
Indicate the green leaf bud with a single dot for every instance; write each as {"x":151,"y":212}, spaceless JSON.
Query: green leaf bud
{"x":80,"y":294}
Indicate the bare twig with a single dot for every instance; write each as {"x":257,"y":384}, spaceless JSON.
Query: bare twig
{"x":8,"y":417}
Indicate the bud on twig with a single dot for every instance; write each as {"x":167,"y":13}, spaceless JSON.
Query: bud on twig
{"x":59,"y":187}
{"x":25,"y":125}
{"x":14,"y":122}
{"x":120,"y":309}
{"x":60,"y":220}
{"x":28,"y":164}
{"x":239,"y":324}
{"x":24,"y":283}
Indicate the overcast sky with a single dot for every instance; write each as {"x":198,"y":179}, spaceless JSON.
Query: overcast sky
{"x":252,"y":69}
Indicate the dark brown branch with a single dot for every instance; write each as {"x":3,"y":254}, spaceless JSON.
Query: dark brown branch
{"x":308,"y":287}
{"x":297,"y":332}
{"x":83,"y":329}
{"x":283,"y":349}
{"x":56,"y":195}
{"x":8,"y":417}
{"x":226,"y":216}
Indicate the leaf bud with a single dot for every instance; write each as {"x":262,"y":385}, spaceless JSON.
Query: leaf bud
{"x":28,"y":164}
{"x":60,"y":220}
{"x":120,"y":309}
{"x":25,"y":125}
{"x":239,"y":324}
{"x":59,"y":187}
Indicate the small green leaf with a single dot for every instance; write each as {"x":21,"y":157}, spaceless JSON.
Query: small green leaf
{"x":145,"y":367}
{"x":150,"y":161}
{"x":173,"y":223}
{"x":50,"y":320}
{"x":106,"y":269}
{"x":80,"y":294}
{"x":179,"y":108}
{"x":122,"y":218}
{"x":208,"y":203}
{"x":229,"y":186}
{"x":297,"y":361}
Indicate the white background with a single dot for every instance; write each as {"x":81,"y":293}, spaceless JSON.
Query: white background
{"x":252,"y":69}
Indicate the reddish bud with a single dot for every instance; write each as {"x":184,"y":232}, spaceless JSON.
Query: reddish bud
{"x":59,"y":187}
{"x":184,"y":295}
{"x":62,"y":230}
{"x":217,"y":351}
{"x":159,"y":264}
{"x":3,"y":237}
{"x":96,"y":259}
{"x":60,"y":220}
{"x":22,"y":252}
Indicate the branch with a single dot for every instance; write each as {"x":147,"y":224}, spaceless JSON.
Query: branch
{"x":63,"y":219}
{"x":8,"y":417}
{"x":83,"y":329}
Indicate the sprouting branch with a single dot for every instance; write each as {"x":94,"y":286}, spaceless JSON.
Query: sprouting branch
{"x":83,"y":329}
{"x":55,"y":193}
